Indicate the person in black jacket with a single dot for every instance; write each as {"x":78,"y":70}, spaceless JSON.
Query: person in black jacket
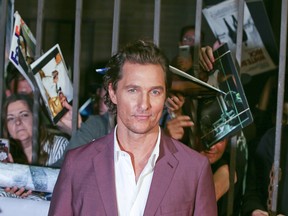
{"x":258,"y":186}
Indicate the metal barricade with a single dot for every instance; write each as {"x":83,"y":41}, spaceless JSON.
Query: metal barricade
{"x":156,"y":38}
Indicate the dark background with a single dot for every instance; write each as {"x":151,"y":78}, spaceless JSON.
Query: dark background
{"x":136,"y":21}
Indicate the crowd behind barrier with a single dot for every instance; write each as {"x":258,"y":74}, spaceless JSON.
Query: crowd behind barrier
{"x":99,"y":122}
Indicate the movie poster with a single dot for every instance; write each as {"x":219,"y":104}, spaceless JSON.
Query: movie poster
{"x":229,"y":112}
{"x":222,"y":19}
{"x":222,"y":108}
{"x":23,"y":45}
{"x":51,"y":75}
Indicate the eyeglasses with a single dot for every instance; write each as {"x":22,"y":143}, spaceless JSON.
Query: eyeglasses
{"x":23,"y":116}
{"x":188,"y":39}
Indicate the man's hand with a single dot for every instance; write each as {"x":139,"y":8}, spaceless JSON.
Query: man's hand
{"x":175,"y":127}
{"x":206,"y":58}
{"x":174,"y":103}
{"x":65,"y":123}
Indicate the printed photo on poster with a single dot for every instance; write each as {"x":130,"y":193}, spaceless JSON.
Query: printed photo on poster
{"x":191,"y":86}
{"x":23,"y":45}
{"x":222,"y":19}
{"x":4,"y":149}
{"x":222,"y":108}
{"x":51,"y":75}
{"x":226,"y":113}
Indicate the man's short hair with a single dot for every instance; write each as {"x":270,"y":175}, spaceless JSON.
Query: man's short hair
{"x":140,"y":52}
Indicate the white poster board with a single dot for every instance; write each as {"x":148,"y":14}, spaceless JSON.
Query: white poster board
{"x":13,"y":206}
{"x":222,"y":19}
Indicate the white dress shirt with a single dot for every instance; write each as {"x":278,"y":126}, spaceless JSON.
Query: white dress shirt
{"x":131,"y":195}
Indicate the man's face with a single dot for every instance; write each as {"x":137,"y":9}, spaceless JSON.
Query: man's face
{"x":140,"y":97}
{"x":216,"y":151}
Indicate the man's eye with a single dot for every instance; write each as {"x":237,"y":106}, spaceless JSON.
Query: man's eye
{"x":155,"y":92}
{"x":132,"y":90}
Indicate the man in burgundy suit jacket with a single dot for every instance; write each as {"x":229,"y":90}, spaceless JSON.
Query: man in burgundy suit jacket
{"x":168,"y":178}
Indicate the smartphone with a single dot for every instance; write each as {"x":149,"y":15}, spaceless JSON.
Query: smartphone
{"x":4,"y":150}
{"x":184,"y":51}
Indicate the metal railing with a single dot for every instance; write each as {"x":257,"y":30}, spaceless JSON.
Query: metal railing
{"x":156,"y":37}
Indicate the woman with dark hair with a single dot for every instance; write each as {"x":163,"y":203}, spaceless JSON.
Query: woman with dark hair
{"x":17,"y":120}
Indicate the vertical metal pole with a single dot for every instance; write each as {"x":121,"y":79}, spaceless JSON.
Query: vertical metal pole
{"x":233,"y":149}
{"x":198,"y":25}
{"x":36,"y":93}
{"x":239,"y":39}
{"x":280,"y":98}
{"x":157,"y":15}
{"x":39,"y":28}
{"x":197,"y":45}
{"x":232,"y":166}
{"x":76,"y":73}
{"x":116,"y":21}
{"x":2,"y":54}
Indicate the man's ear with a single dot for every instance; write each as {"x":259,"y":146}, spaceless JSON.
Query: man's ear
{"x":112,"y":93}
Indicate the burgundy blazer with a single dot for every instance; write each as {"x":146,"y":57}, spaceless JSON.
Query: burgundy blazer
{"x":182,"y":183}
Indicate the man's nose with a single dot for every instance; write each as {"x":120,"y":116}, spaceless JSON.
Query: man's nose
{"x":145,"y":101}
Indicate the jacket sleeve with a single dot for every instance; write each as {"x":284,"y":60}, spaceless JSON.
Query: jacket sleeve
{"x":61,"y":202}
{"x":206,"y":204}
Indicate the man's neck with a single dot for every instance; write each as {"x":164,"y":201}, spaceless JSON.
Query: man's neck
{"x":139,"y":147}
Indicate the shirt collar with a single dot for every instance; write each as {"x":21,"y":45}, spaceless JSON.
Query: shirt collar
{"x":153,"y":157}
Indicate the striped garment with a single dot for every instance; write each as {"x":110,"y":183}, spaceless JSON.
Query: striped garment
{"x":57,"y":150}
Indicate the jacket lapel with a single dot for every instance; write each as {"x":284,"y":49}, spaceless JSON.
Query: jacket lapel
{"x":104,"y":173}
{"x":164,"y":171}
